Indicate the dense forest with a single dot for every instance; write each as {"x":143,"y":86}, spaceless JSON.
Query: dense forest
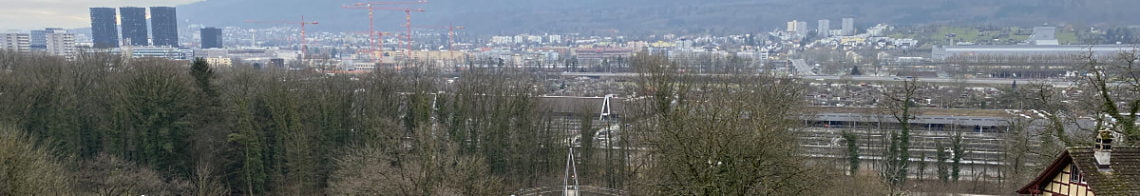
{"x":101,"y":124}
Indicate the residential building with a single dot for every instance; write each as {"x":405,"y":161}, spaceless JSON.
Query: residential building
{"x":849,"y":26}
{"x":219,"y":62}
{"x":211,"y":38}
{"x":502,"y":40}
{"x":104,"y":28}
{"x":799,"y":28}
{"x":164,"y":26}
{"x":824,"y":28}
{"x":60,"y":43}
{"x":1099,"y":170}
{"x":134,"y":26}
{"x":18,"y":42}
{"x":438,"y":55}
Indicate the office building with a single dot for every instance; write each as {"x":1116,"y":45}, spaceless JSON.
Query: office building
{"x":16,"y":42}
{"x":849,"y":26}
{"x":211,"y":37}
{"x":60,"y":43}
{"x":39,"y":41}
{"x":134,"y":26}
{"x":824,"y":28}
{"x":157,"y":52}
{"x":104,"y":28}
{"x":164,"y":26}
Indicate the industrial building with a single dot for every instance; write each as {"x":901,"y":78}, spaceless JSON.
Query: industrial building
{"x":104,"y":28}
{"x":164,"y":26}
{"x":981,"y":53}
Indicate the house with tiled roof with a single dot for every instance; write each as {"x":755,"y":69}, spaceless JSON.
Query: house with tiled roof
{"x":1099,"y":170}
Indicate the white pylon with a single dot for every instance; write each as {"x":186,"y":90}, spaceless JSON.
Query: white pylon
{"x":571,"y":172}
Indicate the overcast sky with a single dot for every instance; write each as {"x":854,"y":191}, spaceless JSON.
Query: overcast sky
{"x":35,"y":14}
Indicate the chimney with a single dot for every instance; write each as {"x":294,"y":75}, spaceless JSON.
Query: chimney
{"x":1103,"y":150}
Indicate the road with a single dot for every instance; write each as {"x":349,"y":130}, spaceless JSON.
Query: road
{"x":802,"y":68}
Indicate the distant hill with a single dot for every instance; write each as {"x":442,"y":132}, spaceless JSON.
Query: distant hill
{"x":684,"y":16}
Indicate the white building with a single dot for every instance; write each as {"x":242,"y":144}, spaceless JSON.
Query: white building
{"x":60,"y":43}
{"x":19,"y":42}
{"x":824,"y":29}
{"x":534,"y":39}
{"x":849,"y":26}
{"x":799,"y":28}
{"x":502,"y":40}
{"x":554,"y":39}
{"x":219,"y":62}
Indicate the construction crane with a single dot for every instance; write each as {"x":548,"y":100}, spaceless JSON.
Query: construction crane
{"x":450,"y":34}
{"x":370,"y":6}
{"x":303,"y":22}
{"x":376,"y":48}
{"x":407,"y":24}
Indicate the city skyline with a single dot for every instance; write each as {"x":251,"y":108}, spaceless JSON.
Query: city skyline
{"x":23,"y":15}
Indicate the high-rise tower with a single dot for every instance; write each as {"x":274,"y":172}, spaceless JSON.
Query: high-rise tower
{"x":134,"y":26}
{"x":164,"y":26}
{"x":104,"y":30}
{"x":211,"y":37}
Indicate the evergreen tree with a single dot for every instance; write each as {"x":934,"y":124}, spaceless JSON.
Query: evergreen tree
{"x":957,"y":153}
{"x":852,"y":152}
{"x":943,"y":169}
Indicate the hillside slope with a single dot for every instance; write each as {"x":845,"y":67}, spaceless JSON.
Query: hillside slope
{"x":686,"y":16}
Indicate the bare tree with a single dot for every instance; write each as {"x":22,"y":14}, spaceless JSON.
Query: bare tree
{"x":719,"y":135}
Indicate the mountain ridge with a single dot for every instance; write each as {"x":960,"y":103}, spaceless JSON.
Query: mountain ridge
{"x":646,"y":16}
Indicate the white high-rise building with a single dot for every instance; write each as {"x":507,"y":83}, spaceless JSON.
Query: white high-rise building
{"x":824,"y":28}
{"x":849,"y":26}
{"x":60,"y":43}
{"x":797,"y":27}
{"x":18,"y":42}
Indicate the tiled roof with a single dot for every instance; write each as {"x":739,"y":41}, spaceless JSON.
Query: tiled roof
{"x":1123,"y":179}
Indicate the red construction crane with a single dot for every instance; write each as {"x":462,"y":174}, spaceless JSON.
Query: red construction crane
{"x":408,"y":24}
{"x":450,"y":34}
{"x":371,"y":13}
{"x":304,"y":42}
{"x":376,"y":48}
